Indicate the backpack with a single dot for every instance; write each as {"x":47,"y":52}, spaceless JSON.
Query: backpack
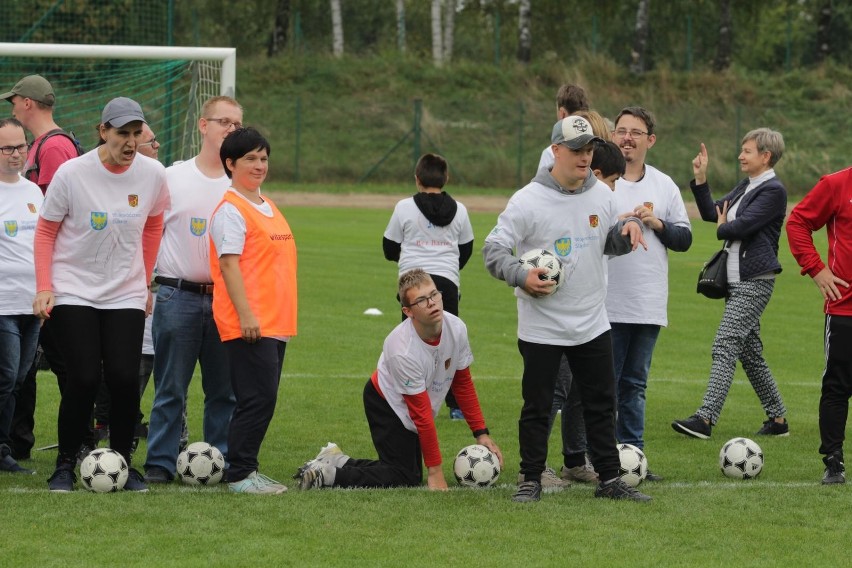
{"x":32,"y":171}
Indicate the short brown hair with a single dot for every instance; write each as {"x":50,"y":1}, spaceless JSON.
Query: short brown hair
{"x":642,"y":114}
{"x":431,"y":170}
{"x":411,"y":279}
{"x":572,"y":98}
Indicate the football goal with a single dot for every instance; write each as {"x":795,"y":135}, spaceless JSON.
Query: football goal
{"x":171,"y":84}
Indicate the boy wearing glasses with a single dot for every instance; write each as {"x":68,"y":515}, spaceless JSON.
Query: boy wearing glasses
{"x":422,"y":359}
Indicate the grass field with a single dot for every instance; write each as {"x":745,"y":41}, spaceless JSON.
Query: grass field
{"x":697,"y":517}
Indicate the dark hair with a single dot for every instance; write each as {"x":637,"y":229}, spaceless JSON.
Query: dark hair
{"x":10,"y":122}
{"x":642,"y":114}
{"x":572,"y":98}
{"x":608,"y":159}
{"x":431,"y":170}
{"x":239,"y":143}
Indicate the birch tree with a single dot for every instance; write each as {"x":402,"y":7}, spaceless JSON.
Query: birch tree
{"x":524,"y":31}
{"x":640,"y":38}
{"x":449,"y":25}
{"x":725,"y":46}
{"x":400,"y":25}
{"x":437,"y":33}
{"x":336,"y":28}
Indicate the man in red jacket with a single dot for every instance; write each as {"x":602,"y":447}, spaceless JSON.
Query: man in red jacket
{"x":829,"y":204}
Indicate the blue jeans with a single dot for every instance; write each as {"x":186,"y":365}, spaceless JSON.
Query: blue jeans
{"x":184,"y":333}
{"x":632,"y":349}
{"x":18,"y":341}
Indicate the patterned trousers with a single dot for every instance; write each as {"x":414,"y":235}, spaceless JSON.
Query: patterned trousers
{"x":738,"y":338}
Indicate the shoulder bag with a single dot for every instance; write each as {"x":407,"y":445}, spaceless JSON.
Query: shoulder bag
{"x":713,"y":278}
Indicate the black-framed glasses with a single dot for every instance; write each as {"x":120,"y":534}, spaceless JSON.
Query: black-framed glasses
{"x":622,"y":132}
{"x":153,"y":143}
{"x":9,"y":150}
{"x":226,"y":123}
{"x":424,"y":301}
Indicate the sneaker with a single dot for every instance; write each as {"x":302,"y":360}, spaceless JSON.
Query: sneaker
{"x":140,"y":430}
{"x":549,"y":481}
{"x":85,"y":450}
{"x":62,"y":480}
{"x":582,"y":473}
{"x":618,"y":489}
{"x":135,"y":482}
{"x":315,"y":475}
{"x":694,"y":426}
{"x":773,"y":428}
{"x":651,"y":476}
{"x":8,"y":463}
{"x":332,"y":455}
{"x":456,"y":414}
{"x":156,"y":474}
{"x":528,"y":492}
{"x":257,"y":484}
{"x":835,"y":472}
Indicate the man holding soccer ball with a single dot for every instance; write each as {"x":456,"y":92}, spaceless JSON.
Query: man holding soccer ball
{"x":568,"y":211}
{"x":422,"y":359}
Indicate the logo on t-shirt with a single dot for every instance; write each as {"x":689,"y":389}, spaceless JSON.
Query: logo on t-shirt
{"x":11,"y":228}
{"x":593,"y":221}
{"x":198,"y":226}
{"x":31,"y":207}
{"x":563,"y":246}
{"x":98,"y":220}
{"x":133,"y":200}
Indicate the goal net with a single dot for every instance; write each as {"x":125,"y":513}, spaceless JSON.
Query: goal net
{"x":171,"y":84}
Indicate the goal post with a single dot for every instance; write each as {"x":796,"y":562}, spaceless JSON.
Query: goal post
{"x":171,"y":84}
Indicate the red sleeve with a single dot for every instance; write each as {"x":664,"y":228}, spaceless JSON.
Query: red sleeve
{"x":152,"y":234}
{"x":810,"y":215}
{"x":45,"y":236}
{"x":468,"y":402}
{"x":420,"y":410}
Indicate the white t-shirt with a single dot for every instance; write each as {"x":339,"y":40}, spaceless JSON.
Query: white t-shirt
{"x":228,"y":227}
{"x":639,"y":282}
{"x":20,"y":203}
{"x":424,"y":245}
{"x":547,"y":159}
{"x":185,"y":249}
{"x":97,"y":255}
{"x":408,"y":365}
{"x":575,"y":228}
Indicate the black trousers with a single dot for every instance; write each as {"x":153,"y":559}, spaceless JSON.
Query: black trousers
{"x":255,"y":376}
{"x":836,"y":384}
{"x":594,"y":377}
{"x":400,"y":462}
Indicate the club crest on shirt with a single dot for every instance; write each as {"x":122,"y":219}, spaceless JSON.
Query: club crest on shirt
{"x":447,"y":363}
{"x":649,"y":205}
{"x":133,"y":200}
{"x":593,"y":221}
{"x":11,"y":228}
{"x":562,"y":246}
{"x":98,"y":220}
{"x":198,"y":226}
{"x":31,"y":207}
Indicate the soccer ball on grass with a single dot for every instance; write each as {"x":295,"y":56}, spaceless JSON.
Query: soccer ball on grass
{"x":476,"y":466}
{"x":103,"y":471}
{"x":200,"y":464}
{"x":634,"y":464}
{"x":741,"y":458}
{"x":541,"y":258}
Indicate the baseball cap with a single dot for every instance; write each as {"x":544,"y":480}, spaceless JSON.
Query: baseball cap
{"x":574,"y":132}
{"x":121,"y":110}
{"x":33,"y":87}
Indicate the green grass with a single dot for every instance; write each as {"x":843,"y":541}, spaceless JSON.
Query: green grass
{"x":697,"y":517}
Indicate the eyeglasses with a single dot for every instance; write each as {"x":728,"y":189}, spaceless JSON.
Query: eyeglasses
{"x":226,"y":123}
{"x":424,"y":301}
{"x":153,"y":143}
{"x":622,"y":132}
{"x":9,"y":150}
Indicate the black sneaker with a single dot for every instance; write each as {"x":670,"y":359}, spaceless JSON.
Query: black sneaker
{"x":618,"y":489}
{"x":772,"y":428}
{"x":85,"y":450}
{"x":651,"y":476}
{"x":62,"y":480}
{"x":694,"y":426}
{"x":835,"y":472}
{"x":156,"y":474}
{"x":528,"y":492}
{"x":135,"y":482}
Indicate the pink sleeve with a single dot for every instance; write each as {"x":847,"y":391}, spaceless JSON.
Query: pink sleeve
{"x":152,"y":234}
{"x":45,"y":237}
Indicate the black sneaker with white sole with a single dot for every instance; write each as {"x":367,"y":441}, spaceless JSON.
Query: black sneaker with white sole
{"x":694,"y":426}
{"x":835,"y":471}
{"x":62,"y":480}
{"x":528,"y":492}
{"x":773,"y":428}
{"x":619,"y":490}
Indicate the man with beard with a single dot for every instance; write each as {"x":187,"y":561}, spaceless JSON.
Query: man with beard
{"x":432,"y":231}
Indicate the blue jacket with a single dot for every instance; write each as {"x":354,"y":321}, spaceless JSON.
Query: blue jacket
{"x":760,"y":217}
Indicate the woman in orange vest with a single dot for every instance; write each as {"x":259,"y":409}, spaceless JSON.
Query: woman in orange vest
{"x":253,"y":264}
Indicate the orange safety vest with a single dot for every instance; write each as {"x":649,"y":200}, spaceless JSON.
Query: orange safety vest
{"x":268,"y":267}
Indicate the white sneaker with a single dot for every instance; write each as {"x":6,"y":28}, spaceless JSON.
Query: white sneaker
{"x":315,"y":475}
{"x":258,"y":484}
{"x":550,"y":482}
{"x":332,"y":455}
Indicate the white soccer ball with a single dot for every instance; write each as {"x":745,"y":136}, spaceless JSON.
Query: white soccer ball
{"x":476,"y":466}
{"x":741,"y":458}
{"x":541,"y":258}
{"x":103,"y":471}
{"x":634,"y":464}
{"x":200,"y":464}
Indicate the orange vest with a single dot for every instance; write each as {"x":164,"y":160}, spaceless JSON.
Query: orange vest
{"x":268,"y":267}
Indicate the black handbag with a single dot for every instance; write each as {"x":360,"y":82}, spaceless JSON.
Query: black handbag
{"x":713,"y":278}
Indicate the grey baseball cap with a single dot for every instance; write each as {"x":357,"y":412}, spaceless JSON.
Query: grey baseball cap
{"x":574,"y":132}
{"x":121,"y":110}
{"x":33,"y":87}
